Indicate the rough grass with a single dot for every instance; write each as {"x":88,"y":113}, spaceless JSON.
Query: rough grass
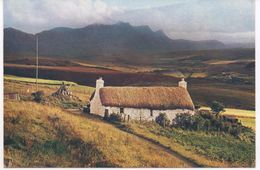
{"x":41,"y":136}
{"x":26,"y":88}
{"x":40,"y":81}
{"x":206,"y":149}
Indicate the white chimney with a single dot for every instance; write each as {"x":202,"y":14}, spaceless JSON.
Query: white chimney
{"x":183,"y":83}
{"x":99,"y":83}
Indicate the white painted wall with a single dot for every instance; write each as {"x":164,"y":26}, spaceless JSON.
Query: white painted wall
{"x":95,"y":104}
{"x":145,"y":114}
{"x":182,"y":83}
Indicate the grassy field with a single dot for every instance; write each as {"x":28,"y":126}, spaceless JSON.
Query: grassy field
{"x":37,"y":135}
{"x":40,"y":81}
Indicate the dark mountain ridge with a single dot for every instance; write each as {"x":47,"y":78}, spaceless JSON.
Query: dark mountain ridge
{"x":99,"y":40}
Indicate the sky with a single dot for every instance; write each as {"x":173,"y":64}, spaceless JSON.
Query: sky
{"x":230,"y":21}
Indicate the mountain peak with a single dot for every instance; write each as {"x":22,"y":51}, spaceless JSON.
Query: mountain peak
{"x":161,"y":33}
{"x":61,"y":29}
{"x":123,"y":23}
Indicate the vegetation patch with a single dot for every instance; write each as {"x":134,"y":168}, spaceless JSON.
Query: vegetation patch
{"x":211,"y":149}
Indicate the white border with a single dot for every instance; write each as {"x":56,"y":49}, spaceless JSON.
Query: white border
{"x":257,"y":38}
{"x":2,"y":88}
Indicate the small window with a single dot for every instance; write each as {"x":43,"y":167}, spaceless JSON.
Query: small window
{"x":121,"y":110}
{"x":151,"y":113}
{"x":106,"y":111}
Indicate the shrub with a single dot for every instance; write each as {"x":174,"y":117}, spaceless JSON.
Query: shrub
{"x":209,"y":122}
{"x":217,"y":107}
{"x":197,"y":106}
{"x":162,"y":120}
{"x":114,"y":117}
{"x":183,"y":121}
{"x":38,"y":96}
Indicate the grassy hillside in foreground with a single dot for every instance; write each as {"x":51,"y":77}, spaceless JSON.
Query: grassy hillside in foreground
{"x":207,"y":149}
{"x":37,"y":135}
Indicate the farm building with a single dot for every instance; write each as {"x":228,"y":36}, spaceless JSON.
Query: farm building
{"x":141,"y":103}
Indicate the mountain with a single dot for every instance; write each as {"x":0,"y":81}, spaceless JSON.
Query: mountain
{"x":99,"y":40}
{"x":241,"y":45}
{"x":18,"y":43}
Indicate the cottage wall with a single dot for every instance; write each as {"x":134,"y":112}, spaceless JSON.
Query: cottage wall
{"x":96,"y":106}
{"x":146,"y":114}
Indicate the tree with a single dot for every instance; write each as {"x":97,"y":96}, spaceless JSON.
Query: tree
{"x":162,"y":120}
{"x":217,"y":107}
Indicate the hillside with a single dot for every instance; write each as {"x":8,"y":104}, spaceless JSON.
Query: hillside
{"x":121,"y":39}
{"x":61,"y":139}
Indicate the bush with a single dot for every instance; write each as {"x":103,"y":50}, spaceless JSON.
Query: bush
{"x":204,"y":121}
{"x":197,"y":106}
{"x":217,"y":107}
{"x":38,"y":96}
{"x":162,"y":120}
{"x":183,"y":121}
{"x":114,"y":117}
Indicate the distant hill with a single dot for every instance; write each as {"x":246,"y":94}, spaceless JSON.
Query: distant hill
{"x":241,"y":45}
{"x":99,"y":40}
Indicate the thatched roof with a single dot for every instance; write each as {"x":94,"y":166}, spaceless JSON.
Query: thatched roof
{"x":161,"y":98}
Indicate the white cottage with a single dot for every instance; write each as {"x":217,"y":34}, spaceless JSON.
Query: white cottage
{"x":143,"y":103}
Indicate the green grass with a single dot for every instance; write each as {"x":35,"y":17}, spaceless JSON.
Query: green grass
{"x":40,"y":81}
{"x":201,"y":147}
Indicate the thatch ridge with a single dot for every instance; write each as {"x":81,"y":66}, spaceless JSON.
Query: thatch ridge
{"x":160,"y":98}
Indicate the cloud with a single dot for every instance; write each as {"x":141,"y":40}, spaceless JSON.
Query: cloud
{"x":32,"y":15}
{"x":199,"y":19}
{"x":223,"y":20}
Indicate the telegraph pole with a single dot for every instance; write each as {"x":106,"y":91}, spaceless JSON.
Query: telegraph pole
{"x":37,"y":63}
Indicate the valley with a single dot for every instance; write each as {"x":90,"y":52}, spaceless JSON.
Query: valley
{"x":224,"y":75}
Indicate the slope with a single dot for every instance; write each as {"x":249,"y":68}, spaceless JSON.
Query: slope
{"x":37,"y":135}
